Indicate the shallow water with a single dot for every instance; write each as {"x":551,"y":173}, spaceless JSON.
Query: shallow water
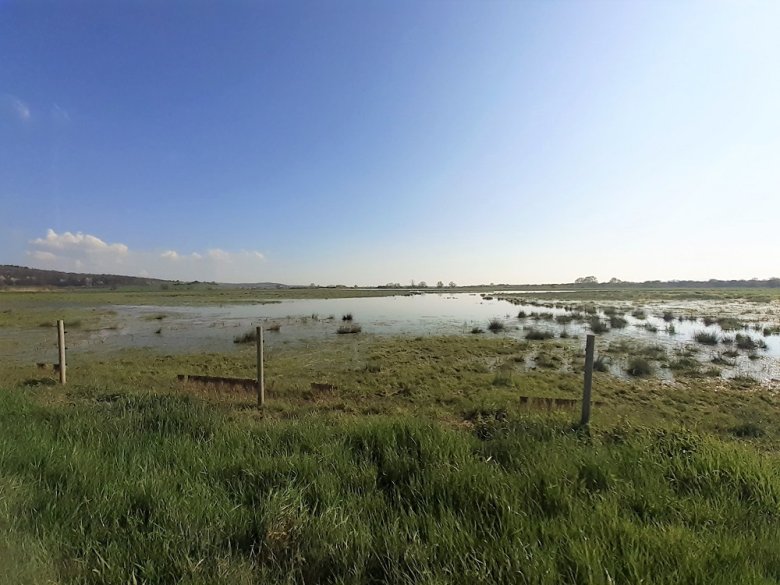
{"x":212,"y":328}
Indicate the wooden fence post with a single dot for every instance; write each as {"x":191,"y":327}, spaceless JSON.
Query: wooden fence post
{"x":260,"y":372}
{"x":589,"y":348}
{"x":61,"y":347}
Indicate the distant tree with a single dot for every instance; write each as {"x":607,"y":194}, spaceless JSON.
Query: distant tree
{"x":440,"y":284}
{"x":586,"y":280}
{"x":452,"y":284}
{"x":614,"y":280}
{"x":413,"y":285}
{"x":422,"y":284}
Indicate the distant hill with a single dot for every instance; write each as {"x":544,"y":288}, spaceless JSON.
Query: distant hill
{"x":22,"y":276}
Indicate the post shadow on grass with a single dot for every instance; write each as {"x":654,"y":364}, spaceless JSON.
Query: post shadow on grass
{"x":590,"y":345}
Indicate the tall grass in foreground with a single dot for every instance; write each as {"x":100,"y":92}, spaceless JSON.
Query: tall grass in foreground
{"x":163,"y":489}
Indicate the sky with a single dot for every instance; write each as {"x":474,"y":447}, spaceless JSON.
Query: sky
{"x":354,"y":142}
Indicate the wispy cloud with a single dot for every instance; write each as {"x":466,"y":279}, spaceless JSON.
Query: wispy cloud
{"x":16,"y":106}
{"x":22,"y":109}
{"x":59,"y":114}
{"x":78,"y":251}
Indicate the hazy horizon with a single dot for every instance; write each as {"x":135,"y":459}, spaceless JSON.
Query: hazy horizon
{"x":352,"y":143}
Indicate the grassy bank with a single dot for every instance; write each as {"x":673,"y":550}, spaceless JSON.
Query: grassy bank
{"x":168,"y":489}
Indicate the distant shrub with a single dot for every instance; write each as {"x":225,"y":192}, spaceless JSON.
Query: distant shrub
{"x":639,"y":314}
{"x":347,"y":317}
{"x":598,"y":326}
{"x":601,"y":364}
{"x":668,"y":316}
{"x":477,"y":330}
{"x":522,"y":315}
{"x":496,"y":325}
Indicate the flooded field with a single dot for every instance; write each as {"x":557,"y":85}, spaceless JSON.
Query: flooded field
{"x":729,"y":338}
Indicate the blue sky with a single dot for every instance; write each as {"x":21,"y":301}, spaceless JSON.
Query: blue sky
{"x":372,"y":142}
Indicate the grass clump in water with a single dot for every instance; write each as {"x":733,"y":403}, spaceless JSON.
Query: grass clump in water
{"x":347,"y":329}
{"x":347,"y":317}
{"x":639,"y":367}
{"x":538,"y":335}
{"x":248,"y":337}
{"x":617,"y":322}
{"x":746,"y":342}
{"x":477,"y":330}
{"x":729,"y":323}
{"x":706,"y":337}
{"x":496,"y":325}
{"x":639,"y":314}
{"x":598,"y":326}
{"x":601,"y":364}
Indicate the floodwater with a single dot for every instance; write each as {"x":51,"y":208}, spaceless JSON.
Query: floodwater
{"x":187,"y":329}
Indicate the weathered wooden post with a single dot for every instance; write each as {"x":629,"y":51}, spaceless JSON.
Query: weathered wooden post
{"x":589,"y":348}
{"x":260,"y":372}
{"x":61,"y":347}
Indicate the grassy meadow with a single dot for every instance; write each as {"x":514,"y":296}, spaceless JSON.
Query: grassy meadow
{"x":384,"y":460}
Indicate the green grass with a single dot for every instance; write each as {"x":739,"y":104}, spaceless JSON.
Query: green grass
{"x":163,"y":489}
